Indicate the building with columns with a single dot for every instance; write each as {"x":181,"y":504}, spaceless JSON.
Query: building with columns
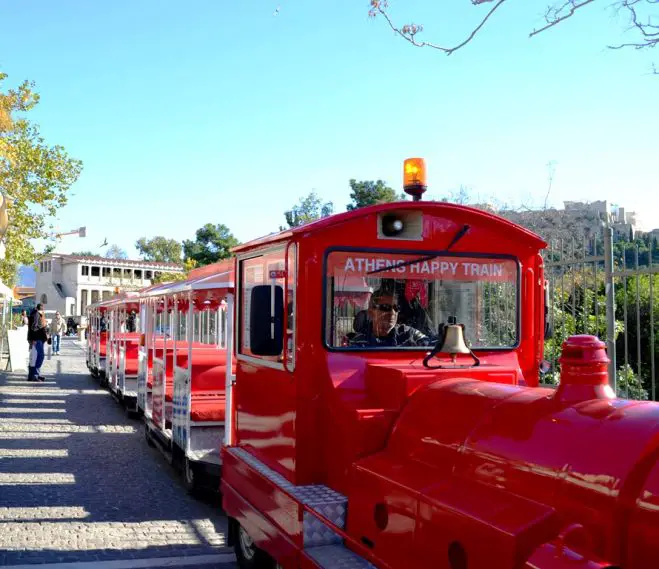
{"x":68,"y":283}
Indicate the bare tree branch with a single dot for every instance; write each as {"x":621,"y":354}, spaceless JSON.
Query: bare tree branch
{"x":409,"y":31}
{"x":648,"y":31}
{"x":555,"y":15}
{"x":556,"y":12}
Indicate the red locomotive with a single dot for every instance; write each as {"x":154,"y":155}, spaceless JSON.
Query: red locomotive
{"x":366,"y":388}
{"x":385,"y":409}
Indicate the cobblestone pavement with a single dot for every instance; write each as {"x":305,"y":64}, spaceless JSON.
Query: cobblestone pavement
{"x":78,"y":482}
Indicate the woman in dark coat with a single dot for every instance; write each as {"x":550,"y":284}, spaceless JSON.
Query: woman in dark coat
{"x":37,"y":336}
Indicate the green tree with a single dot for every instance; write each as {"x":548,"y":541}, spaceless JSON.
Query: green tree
{"x":367,"y":193}
{"x":115,"y":252}
{"x":34,"y":178}
{"x":629,"y":385}
{"x":212,"y":243}
{"x":634,"y":293}
{"x":573,"y":312}
{"x":159,"y":249}
{"x":84,"y":254}
{"x":188,"y":265}
{"x":308,"y":209}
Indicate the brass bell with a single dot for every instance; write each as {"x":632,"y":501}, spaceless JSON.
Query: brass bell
{"x":454,"y":342}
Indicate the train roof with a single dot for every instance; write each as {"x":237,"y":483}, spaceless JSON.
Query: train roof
{"x":209,"y":277}
{"x":215,"y":276}
{"x":478,"y":217}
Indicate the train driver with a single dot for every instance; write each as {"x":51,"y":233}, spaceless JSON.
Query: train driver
{"x":380,"y":328}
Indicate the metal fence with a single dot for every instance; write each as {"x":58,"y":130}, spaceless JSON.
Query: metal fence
{"x":606,"y":288}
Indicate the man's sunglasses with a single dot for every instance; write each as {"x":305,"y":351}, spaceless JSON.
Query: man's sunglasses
{"x":386,"y":307}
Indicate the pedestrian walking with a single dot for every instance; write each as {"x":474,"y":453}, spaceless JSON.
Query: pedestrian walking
{"x":37,"y":336}
{"x":25,"y":320}
{"x":57,"y":330}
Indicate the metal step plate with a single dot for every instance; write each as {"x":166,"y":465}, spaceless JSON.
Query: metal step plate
{"x":337,"y":557}
{"x":327,"y":502}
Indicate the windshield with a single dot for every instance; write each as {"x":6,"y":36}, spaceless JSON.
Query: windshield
{"x":401,"y":308}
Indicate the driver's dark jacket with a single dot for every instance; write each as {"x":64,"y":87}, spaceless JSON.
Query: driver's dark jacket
{"x":400,"y":335}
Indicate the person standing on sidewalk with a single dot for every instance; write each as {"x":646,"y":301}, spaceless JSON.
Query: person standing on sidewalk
{"x":37,"y":335}
{"x":57,"y":330}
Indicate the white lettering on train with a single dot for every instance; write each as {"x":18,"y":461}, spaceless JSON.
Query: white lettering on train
{"x":482,"y":269}
{"x":431,"y":267}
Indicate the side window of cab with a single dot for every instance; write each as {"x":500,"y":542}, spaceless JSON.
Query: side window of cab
{"x":267,"y":313}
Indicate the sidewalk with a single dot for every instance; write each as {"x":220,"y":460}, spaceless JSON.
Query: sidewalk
{"x":78,"y":482}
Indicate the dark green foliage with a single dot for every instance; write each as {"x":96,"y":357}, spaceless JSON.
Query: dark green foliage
{"x":370,"y":193}
{"x":307,"y":210}
{"x":160,"y":249}
{"x":213,"y":243}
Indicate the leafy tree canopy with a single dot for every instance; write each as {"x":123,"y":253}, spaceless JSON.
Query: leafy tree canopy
{"x":116,"y":252}
{"x":188,"y":265}
{"x":308,"y":209}
{"x":159,"y":249}
{"x":34,"y":178}
{"x":85,"y":254}
{"x":370,"y":193}
{"x":213,"y":243}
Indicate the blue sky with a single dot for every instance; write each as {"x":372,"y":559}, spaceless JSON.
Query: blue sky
{"x":219,"y":111}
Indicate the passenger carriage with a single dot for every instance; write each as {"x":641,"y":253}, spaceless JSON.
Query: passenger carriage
{"x":90,"y":356}
{"x":123,"y":342}
{"x":185,"y":400}
{"x":157,"y":315}
{"x":97,"y":339}
{"x":150,"y":335}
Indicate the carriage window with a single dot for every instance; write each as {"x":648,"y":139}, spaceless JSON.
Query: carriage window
{"x":268,"y":270}
{"x":373,"y":303}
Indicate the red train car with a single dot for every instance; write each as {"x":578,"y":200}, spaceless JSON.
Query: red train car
{"x":122,"y":347}
{"x":183,"y":368}
{"x":97,"y":339}
{"x":385,"y":408}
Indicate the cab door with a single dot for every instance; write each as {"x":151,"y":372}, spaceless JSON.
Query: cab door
{"x":265,"y":402}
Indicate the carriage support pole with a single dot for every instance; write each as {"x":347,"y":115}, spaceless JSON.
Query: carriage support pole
{"x":229,"y":378}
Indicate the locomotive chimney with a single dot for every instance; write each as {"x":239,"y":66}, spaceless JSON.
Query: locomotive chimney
{"x":584,"y":370}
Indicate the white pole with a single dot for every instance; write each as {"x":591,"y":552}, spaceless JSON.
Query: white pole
{"x":190,"y":337}
{"x":229,"y":376}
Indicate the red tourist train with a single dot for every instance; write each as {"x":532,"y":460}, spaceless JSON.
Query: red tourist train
{"x":165,"y":360}
{"x":382,"y":409}
{"x":97,"y":338}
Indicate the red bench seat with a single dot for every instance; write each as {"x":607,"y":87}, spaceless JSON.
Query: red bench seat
{"x":132,"y":357}
{"x":103,"y":344}
{"x":208,"y":375}
{"x":207,"y":408}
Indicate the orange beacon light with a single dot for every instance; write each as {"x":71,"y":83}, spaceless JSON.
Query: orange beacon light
{"x":414,"y":177}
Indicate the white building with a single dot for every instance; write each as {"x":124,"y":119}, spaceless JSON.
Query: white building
{"x":68,"y":283}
